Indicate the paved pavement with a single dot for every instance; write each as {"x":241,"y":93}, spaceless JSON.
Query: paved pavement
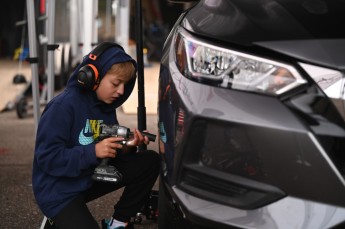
{"x":18,"y":209}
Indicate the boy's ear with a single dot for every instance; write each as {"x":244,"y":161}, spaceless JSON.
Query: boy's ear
{"x":88,"y":75}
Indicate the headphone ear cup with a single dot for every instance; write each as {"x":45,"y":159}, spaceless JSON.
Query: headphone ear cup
{"x":88,"y":77}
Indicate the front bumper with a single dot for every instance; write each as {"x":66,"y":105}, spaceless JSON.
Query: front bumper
{"x":243,"y":158}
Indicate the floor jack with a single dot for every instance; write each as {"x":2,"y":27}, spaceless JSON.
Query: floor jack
{"x":149,"y":211}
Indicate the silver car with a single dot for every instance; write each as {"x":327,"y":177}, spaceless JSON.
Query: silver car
{"x":251,"y":115}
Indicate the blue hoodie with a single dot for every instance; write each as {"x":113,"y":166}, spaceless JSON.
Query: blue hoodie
{"x":65,"y":155}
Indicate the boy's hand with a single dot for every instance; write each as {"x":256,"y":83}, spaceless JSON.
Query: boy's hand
{"x":107,"y":147}
{"x":138,"y":139}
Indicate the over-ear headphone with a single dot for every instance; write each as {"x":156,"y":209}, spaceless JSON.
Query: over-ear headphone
{"x":88,"y":75}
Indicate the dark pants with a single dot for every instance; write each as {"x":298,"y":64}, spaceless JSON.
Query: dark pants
{"x":139,"y":171}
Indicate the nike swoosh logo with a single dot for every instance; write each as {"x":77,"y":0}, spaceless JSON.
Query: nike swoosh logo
{"x":84,"y":140}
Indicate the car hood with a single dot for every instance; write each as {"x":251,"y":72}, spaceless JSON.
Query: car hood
{"x":308,"y":30}
{"x":329,"y":53}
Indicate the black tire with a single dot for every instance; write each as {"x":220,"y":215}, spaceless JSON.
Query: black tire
{"x":169,"y":216}
{"x":163,"y":211}
{"x":22,"y":108}
{"x":19,"y":79}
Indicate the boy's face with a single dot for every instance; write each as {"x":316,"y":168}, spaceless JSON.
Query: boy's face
{"x":111,"y":87}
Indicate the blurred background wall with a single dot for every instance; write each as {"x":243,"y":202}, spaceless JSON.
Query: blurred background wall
{"x":158,"y":18}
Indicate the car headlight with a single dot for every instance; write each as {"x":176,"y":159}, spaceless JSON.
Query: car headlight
{"x":227,"y":68}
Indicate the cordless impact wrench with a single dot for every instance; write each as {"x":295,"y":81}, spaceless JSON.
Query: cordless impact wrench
{"x":105,"y":172}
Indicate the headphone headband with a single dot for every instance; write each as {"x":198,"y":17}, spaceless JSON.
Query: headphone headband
{"x":99,"y":49}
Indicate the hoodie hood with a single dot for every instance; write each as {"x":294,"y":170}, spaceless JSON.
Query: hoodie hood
{"x":103,"y":63}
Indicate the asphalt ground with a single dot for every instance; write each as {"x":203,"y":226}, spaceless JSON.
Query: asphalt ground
{"x":18,"y":209}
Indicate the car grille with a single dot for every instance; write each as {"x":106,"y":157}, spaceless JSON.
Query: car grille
{"x":227,"y":189}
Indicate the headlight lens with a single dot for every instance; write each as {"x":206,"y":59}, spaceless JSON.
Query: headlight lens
{"x":226,"y":68}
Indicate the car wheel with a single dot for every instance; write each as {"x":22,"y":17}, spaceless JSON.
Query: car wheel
{"x":163,"y":210}
{"x":169,"y":216}
{"x":22,"y":108}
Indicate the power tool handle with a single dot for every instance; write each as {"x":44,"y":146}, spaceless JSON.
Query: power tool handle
{"x":151,"y":137}
{"x":104,"y":161}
